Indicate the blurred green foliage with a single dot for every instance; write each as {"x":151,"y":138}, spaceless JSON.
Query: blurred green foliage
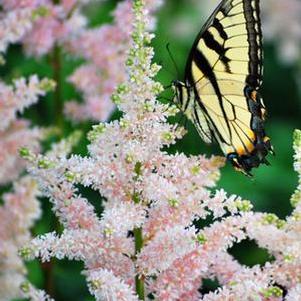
{"x":269,"y":190}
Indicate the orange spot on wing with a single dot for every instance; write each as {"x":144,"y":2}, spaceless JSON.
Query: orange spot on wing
{"x":248,"y":146}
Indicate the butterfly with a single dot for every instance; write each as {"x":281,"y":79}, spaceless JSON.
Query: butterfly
{"x":223,"y":75}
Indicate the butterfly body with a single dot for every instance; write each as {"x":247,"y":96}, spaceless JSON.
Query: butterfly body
{"x":223,"y":75}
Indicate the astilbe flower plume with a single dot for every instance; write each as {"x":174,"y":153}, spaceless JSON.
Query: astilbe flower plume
{"x":146,"y":245}
{"x":19,"y":208}
{"x":104,"y":49}
{"x":49,"y":24}
{"x":18,"y":213}
{"x":13,"y":27}
{"x":15,"y":132}
{"x":16,"y":20}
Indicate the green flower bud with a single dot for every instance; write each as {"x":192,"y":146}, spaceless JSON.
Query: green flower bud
{"x":296,"y":216}
{"x":25,"y":286}
{"x":136,"y":198}
{"x":70,"y":176}
{"x":296,"y":198}
{"x":270,"y":219}
{"x":148,"y":107}
{"x":138,"y":169}
{"x":44,"y":163}
{"x":132,"y":53}
{"x":124,"y":123}
{"x":137,"y":5}
{"x":135,"y":37}
{"x":195,"y":170}
{"x":25,"y":253}
{"x":122,"y":88}
{"x":133,"y":79}
{"x":155,"y":68}
{"x":201,"y":239}
{"x":172,"y":110}
{"x":108,"y":232}
{"x":280,"y":224}
{"x":147,"y":39}
{"x":24,"y":152}
{"x":129,"y":62}
{"x":157,"y":88}
{"x":243,"y":205}
{"x":129,"y":159}
{"x":173,"y":203}
{"x":297,"y":138}
{"x":273,"y":291}
{"x":47,"y":84}
{"x":95,"y":284}
{"x":288,"y":258}
{"x":96,"y":131}
{"x":167,"y":136}
{"x":116,"y":99}
{"x":41,"y":11}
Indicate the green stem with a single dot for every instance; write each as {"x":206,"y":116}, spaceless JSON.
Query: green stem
{"x":47,"y":268}
{"x":58,"y":101}
{"x":139,"y":281}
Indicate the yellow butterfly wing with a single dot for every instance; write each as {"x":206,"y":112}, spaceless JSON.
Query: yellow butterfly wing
{"x":224,"y":69}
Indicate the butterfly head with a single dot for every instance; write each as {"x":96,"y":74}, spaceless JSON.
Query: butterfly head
{"x":182,"y":94}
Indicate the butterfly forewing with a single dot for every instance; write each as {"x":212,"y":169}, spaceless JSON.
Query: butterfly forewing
{"x":224,"y":69}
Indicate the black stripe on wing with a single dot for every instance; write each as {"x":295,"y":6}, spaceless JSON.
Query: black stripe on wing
{"x":218,"y":48}
{"x":255,"y":40}
{"x":219,"y":27}
{"x":203,"y":30}
{"x":202,"y":63}
{"x":207,"y":136}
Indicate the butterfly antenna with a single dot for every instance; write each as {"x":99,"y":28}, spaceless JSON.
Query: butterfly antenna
{"x":173,"y":59}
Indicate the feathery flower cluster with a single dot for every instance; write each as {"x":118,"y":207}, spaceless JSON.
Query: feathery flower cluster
{"x":20,"y":208}
{"x":105,"y":50}
{"x":13,"y":27}
{"x":146,"y":244}
{"x":15,"y":132}
{"x":47,"y":23}
{"x":17,"y":135}
{"x":14,"y":99}
{"x":125,"y":170}
{"x":18,"y":213}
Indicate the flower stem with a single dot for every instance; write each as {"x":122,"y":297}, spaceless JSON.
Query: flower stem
{"x":47,"y":268}
{"x":58,"y":102}
{"x":139,"y":281}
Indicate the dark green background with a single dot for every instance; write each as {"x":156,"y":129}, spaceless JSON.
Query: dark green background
{"x":269,"y":190}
